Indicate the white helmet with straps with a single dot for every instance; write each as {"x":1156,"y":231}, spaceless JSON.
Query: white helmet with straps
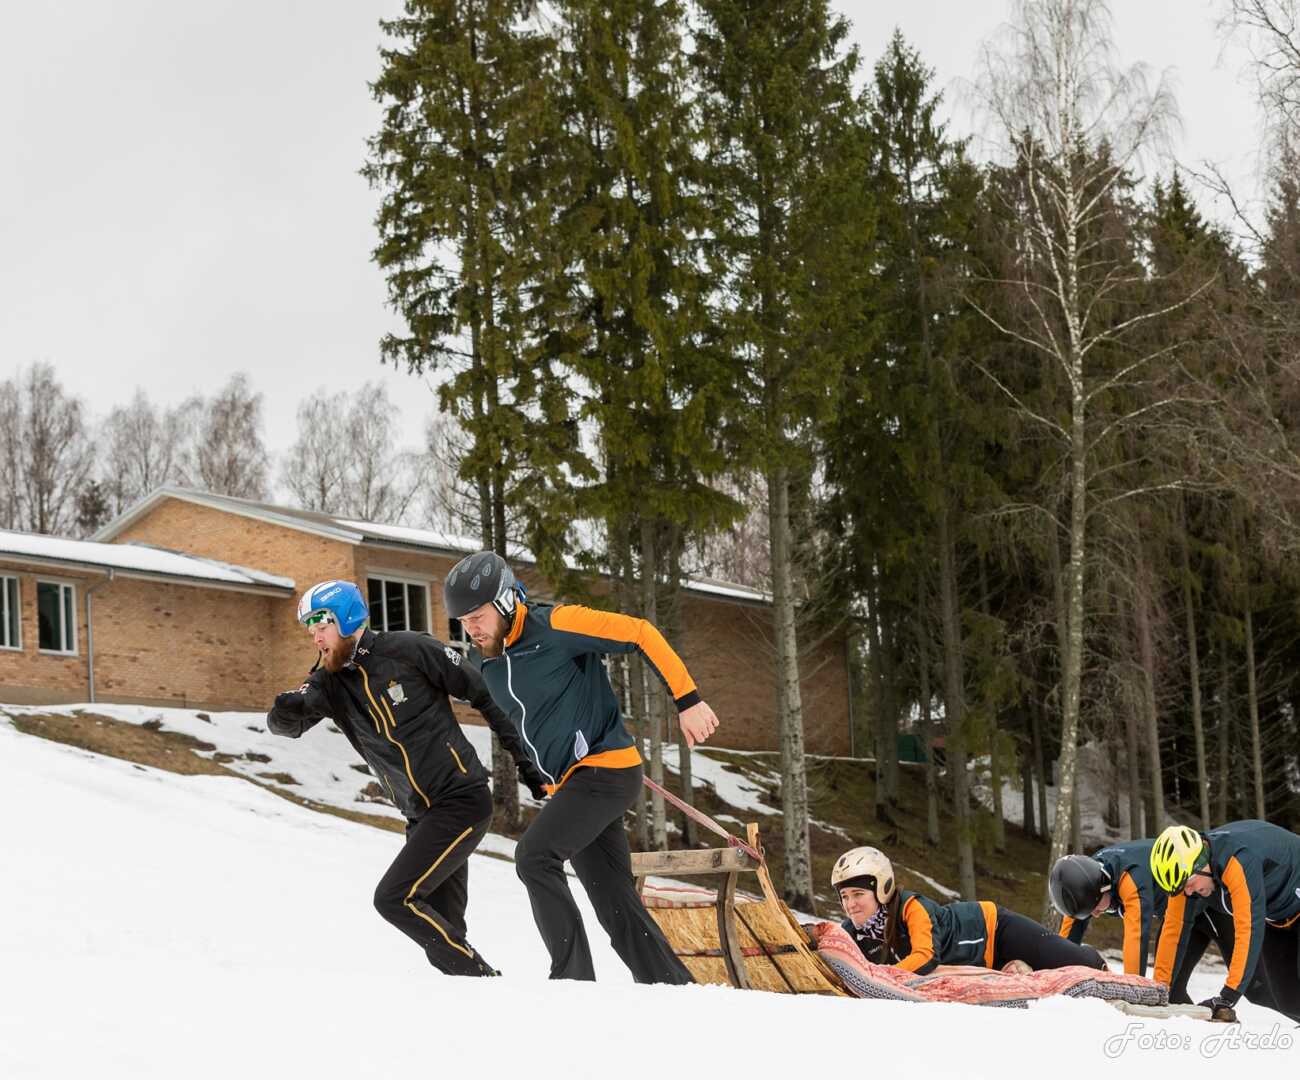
{"x":865,"y":868}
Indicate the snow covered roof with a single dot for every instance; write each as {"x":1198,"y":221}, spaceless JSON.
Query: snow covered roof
{"x":351,"y":531}
{"x":134,"y":560}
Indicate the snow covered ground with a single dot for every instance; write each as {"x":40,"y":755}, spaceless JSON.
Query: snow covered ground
{"x":156,"y":925}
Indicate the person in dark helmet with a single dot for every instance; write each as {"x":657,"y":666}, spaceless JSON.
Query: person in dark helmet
{"x":542,"y":663}
{"x":1238,"y":885}
{"x":388,"y":693}
{"x":1117,"y":881}
{"x":907,"y":930}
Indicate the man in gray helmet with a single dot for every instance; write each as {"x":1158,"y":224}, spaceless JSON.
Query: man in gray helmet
{"x":542,"y":664}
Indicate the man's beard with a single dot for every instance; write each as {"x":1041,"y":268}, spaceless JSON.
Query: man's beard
{"x":493,"y":646}
{"x":337,"y":658}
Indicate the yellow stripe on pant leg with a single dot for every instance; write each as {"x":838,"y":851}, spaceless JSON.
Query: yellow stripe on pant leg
{"x":410,"y":903}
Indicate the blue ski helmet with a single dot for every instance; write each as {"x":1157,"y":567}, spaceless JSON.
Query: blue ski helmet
{"x":340,"y":601}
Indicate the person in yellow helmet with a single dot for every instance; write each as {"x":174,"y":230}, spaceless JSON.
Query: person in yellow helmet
{"x":1239,"y":884}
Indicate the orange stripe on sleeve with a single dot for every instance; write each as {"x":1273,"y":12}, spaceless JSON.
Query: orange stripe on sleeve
{"x":920,"y":930}
{"x":611,"y":626}
{"x":1131,"y":900}
{"x":1067,"y":924}
{"x":1234,"y":877}
{"x":1170,"y":932}
{"x":990,"y":910}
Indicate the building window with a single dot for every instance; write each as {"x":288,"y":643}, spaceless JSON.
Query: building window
{"x":56,"y":619}
{"x":10,"y":624}
{"x":398,"y":605}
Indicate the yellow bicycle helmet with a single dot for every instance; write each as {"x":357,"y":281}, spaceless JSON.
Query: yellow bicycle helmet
{"x":1177,"y":854}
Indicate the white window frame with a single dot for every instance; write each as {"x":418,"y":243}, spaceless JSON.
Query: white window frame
{"x":406,"y":582}
{"x":14,"y":646}
{"x":68,"y":588}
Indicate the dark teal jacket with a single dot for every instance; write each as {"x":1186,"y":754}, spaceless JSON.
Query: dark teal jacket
{"x":551,"y":681}
{"x":1133,"y":896}
{"x":930,"y":934}
{"x":1256,"y":869}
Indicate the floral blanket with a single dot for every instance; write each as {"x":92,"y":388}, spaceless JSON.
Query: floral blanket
{"x":865,"y":979}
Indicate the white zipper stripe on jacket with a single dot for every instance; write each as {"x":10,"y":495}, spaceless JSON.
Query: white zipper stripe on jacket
{"x":523,"y":717}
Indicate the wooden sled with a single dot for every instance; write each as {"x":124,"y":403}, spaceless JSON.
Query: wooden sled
{"x":751,"y":943}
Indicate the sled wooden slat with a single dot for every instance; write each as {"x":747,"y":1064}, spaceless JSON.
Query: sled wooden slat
{"x":708,"y":861}
{"x":751,"y":943}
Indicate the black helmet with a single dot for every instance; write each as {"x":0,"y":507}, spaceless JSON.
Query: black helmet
{"x":1076,"y":884}
{"x":478,"y":579}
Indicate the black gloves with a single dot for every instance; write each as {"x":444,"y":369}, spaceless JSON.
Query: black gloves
{"x":1221,"y":1009}
{"x":531,"y":777}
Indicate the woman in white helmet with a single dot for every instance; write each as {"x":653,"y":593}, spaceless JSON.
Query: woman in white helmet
{"x":911,"y":931}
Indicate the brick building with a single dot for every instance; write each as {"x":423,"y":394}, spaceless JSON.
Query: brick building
{"x":235,"y":643}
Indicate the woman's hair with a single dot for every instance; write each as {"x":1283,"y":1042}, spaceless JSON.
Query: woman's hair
{"x":893,"y":916}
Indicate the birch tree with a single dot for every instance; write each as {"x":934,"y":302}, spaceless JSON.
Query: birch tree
{"x":1074,"y":126}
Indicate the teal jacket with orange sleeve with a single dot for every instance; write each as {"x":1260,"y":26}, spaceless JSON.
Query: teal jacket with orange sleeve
{"x":551,"y":680}
{"x":1256,"y":871}
{"x":929,"y":934}
{"x":1133,"y":896}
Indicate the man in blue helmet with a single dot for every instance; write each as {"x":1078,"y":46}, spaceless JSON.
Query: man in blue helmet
{"x":388,"y":693}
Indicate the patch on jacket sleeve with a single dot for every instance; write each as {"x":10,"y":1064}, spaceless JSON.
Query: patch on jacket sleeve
{"x":452,"y":654}
{"x":396,"y":692}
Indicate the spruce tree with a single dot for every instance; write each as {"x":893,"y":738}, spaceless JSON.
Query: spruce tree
{"x":784,"y":154}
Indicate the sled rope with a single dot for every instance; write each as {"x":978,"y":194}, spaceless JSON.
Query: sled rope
{"x":705,"y":820}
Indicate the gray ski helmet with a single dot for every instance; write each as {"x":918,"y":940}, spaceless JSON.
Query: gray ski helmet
{"x":1076,"y":884}
{"x":478,"y":579}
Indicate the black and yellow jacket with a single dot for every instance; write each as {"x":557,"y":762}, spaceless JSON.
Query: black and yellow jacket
{"x":552,"y":682}
{"x":927,"y":934}
{"x":1256,"y":870}
{"x":392,"y":704}
{"x":1133,"y":896}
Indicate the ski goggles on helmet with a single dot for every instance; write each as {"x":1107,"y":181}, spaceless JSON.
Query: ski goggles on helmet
{"x":320,"y":617}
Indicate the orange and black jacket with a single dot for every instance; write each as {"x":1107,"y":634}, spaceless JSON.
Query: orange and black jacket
{"x":1256,"y":870}
{"x":552,"y":682}
{"x":930,"y":934}
{"x":392,"y":704}
{"x":1133,"y":896}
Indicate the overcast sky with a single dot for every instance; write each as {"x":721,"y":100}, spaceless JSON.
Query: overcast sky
{"x":179,"y":195}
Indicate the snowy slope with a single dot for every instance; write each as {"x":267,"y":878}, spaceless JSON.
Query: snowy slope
{"x":195,"y":926}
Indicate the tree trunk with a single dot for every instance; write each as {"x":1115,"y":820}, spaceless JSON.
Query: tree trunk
{"x":1147,"y":653}
{"x":1252,"y":698}
{"x":1194,"y":678}
{"x":1076,"y":824}
{"x":1225,"y":728}
{"x":672,"y":630}
{"x":889,"y":719}
{"x":653,"y":691}
{"x":1072,"y":673}
{"x":931,"y":777}
{"x":1040,"y":767}
{"x":995,"y":752}
{"x":954,"y":706}
{"x":794,"y":778}
{"x":880,"y":798}
{"x":1027,"y":797}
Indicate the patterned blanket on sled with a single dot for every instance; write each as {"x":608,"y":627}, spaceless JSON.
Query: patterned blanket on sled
{"x":865,"y":979}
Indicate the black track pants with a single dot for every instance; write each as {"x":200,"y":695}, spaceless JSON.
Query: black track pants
{"x":425,"y":891}
{"x":1277,"y":973}
{"x":1019,"y":938}
{"x":1276,"y":982}
{"x":1209,"y":926}
{"x":583,"y":824}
